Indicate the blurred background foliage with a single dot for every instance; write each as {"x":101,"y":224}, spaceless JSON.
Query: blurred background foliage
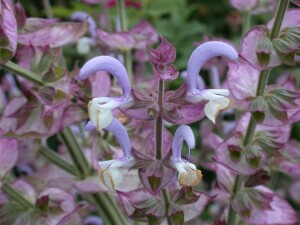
{"x":183,"y":22}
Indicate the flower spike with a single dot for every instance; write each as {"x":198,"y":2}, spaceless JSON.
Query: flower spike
{"x":215,"y":97}
{"x":100,"y":109}
{"x":188,"y":174}
{"x":110,"y":172}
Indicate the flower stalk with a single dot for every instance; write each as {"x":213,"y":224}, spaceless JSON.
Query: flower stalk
{"x":159,"y":122}
{"x":159,"y":142}
{"x":47,"y":7}
{"x":16,"y":196}
{"x":262,"y":82}
{"x":58,"y":161}
{"x":108,"y":208}
{"x":20,"y":71}
{"x":246,"y":22}
{"x":121,"y":7}
{"x":73,"y":148}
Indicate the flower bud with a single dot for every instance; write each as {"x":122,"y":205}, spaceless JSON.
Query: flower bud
{"x":253,"y":157}
{"x":235,"y":152}
{"x":258,"y":107}
{"x":263,"y":51}
{"x":285,"y":50}
{"x":42,"y":204}
{"x":188,"y":174}
{"x":175,"y":215}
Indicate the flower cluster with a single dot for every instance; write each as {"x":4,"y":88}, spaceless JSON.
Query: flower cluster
{"x":97,"y":126}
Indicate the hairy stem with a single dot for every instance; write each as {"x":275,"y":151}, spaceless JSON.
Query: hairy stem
{"x":20,"y":71}
{"x":159,"y":122}
{"x":159,"y":142}
{"x":262,"y":82}
{"x":16,"y":196}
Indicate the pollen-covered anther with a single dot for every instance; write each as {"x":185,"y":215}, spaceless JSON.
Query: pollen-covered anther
{"x":188,"y":174}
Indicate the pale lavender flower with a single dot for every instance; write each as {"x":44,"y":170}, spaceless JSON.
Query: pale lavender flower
{"x":188,"y":173}
{"x":100,"y":109}
{"x":216,"y":98}
{"x":110,"y":172}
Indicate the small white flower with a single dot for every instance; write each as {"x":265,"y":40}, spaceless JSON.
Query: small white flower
{"x":110,"y":171}
{"x":188,"y":173}
{"x":100,"y":110}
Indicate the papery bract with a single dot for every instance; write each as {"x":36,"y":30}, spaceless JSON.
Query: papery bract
{"x":154,"y":174}
{"x":247,"y":160}
{"x":264,"y":207}
{"x":56,"y":34}
{"x":162,"y":60}
{"x":8,"y":154}
{"x":20,"y":15}
{"x":190,"y":201}
{"x":249,"y":44}
{"x":8,"y":32}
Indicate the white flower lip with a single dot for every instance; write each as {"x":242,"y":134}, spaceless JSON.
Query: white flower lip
{"x":100,"y":110}
{"x":110,"y":171}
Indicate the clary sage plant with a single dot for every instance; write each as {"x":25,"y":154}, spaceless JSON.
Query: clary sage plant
{"x":122,"y":135}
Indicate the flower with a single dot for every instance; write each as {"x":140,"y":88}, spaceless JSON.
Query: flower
{"x":216,"y":98}
{"x":188,"y":174}
{"x":100,"y":109}
{"x":111,"y":171}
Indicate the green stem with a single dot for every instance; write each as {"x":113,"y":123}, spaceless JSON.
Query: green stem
{"x":109,"y":210}
{"x":122,"y":14}
{"x":167,"y":200}
{"x":128,"y":63}
{"x":58,"y":161}
{"x":262,"y":82}
{"x":159,"y":122}
{"x":246,"y":22}
{"x":16,"y":196}
{"x":20,"y":71}
{"x":274,"y":180}
{"x":159,"y":142}
{"x":106,"y":204}
{"x":73,"y":148}
{"x":237,"y":186}
{"x":124,"y":27}
{"x":280,"y":12}
{"x":47,"y":7}
{"x":250,"y":132}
